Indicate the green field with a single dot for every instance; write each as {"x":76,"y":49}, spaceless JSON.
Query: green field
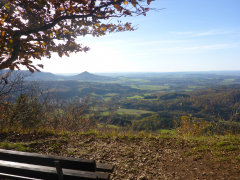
{"x":147,"y":94}
{"x":158,"y":92}
{"x":139,"y":80}
{"x":197,"y":87}
{"x":108,"y":96}
{"x":111,"y":94}
{"x":150,"y":87}
{"x":132,"y":111}
{"x":123,"y":78}
{"x":107,"y":99}
{"x":188,"y":89}
{"x":225,"y":81}
{"x":135,"y":97}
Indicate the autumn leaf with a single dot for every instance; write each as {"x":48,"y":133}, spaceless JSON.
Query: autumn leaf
{"x":39,"y":25}
{"x":103,"y":28}
{"x":134,"y":2}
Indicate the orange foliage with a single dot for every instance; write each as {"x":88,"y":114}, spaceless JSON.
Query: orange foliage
{"x":29,"y":29}
{"x":191,"y":128}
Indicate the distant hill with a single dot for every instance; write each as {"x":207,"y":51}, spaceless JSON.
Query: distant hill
{"x":38,"y":76}
{"x":46,"y":76}
{"x":71,"y":89}
{"x":86,"y":76}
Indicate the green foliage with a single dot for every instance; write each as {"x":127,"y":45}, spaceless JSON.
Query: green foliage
{"x":217,"y":105}
{"x":192,"y":128}
{"x":173,"y":96}
{"x":154,"y":122}
{"x":26,"y":110}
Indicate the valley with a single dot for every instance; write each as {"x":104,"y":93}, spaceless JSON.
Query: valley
{"x":154,"y":101}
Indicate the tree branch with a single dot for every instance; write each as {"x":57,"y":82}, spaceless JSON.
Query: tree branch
{"x":18,"y":33}
{"x":13,"y":58}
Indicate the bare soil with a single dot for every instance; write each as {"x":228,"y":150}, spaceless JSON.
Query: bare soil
{"x":136,"y":158}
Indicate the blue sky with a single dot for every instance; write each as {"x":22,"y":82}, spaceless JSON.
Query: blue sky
{"x":186,"y":36}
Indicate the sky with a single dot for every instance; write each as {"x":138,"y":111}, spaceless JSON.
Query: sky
{"x":187,"y":35}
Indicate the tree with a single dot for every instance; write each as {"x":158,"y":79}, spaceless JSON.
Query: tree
{"x":36,"y":28}
{"x":11,"y":83}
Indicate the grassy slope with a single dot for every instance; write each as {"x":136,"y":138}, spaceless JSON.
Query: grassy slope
{"x":140,"y":155}
{"x":132,"y":111}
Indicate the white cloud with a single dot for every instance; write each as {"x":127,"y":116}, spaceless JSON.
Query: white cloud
{"x":213,"y":32}
{"x":194,"y":49}
{"x":157,"y":42}
{"x":207,"y":33}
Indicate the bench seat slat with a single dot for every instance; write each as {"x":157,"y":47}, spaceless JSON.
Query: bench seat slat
{"x":48,"y":160}
{"x":44,"y":172}
{"x":105,"y":167}
{"x":10,"y":176}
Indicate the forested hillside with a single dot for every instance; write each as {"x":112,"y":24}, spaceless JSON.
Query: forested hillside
{"x":152,"y":102}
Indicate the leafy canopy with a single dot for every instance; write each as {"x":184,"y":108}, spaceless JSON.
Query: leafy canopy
{"x":36,"y":28}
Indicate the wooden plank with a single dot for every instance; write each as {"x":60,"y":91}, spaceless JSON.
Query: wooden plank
{"x":48,"y":160}
{"x":59,"y":170}
{"x":43,"y":172}
{"x":10,"y":176}
{"x":78,"y":164}
{"x":105,"y":167}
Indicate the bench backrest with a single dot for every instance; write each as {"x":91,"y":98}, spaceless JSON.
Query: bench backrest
{"x":48,"y":160}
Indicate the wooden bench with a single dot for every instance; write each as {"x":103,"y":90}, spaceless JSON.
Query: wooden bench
{"x":24,"y":165}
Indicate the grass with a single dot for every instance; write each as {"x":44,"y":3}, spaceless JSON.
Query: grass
{"x":139,"y":80}
{"x":167,"y":131}
{"x":140,"y":97}
{"x":123,"y":78}
{"x":147,"y":94}
{"x":159,"y":92}
{"x":108,"y":96}
{"x":216,"y":146}
{"x":132,"y":111}
{"x":150,"y":87}
{"x":104,"y":113}
{"x":111,"y":94}
{"x":108,"y":126}
{"x":188,"y":89}
{"x":197,"y":87}
{"x":16,"y":146}
{"x":107,"y":99}
{"x":135,"y":97}
{"x":225,"y":81}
